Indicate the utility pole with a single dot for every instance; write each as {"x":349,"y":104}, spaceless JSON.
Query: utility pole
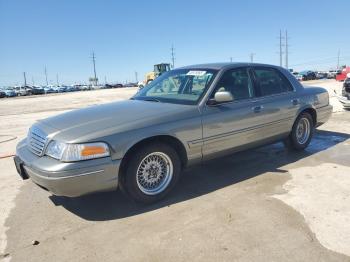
{"x":231,"y":59}
{"x":33,"y":80}
{"x":25,"y":78}
{"x":136,"y":77}
{"x":252,"y":57}
{"x":281,"y":52}
{"x":287,"y":50}
{"x":94,"y":64}
{"x":173,"y":56}
{"x":57,"y":82}
{"x":105,"y":80}
{"x":338,"y":59}
{"x":47,"y":83}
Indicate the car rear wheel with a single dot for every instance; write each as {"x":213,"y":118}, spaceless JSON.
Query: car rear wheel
{"x":152,"y":172}
{"x":301,"y":133}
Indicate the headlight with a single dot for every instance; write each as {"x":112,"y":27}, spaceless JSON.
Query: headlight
{"x":76,"y":152}
{"x":56,"y":149}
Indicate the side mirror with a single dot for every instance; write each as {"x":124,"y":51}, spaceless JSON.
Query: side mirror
{"x":223,"y":97}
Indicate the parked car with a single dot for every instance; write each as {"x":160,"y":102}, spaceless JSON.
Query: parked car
{"x":331,"y":74}
{"x":23,"y":90}
{"x":77,"y":87}
{"x":342,"y":74}
{"x":185,"y":116}
{"x":321,"y":75}
{"x":2,"y":94}
{"x":118,"y":85}
{"x":71,"y":89}
{"x":297,"y":76}
{"x":37,"y":91}
{"x":346,"y":88}
{"x":345,"y":98}
{"x":114,"y":85}
{"x":10,"y":92}
{"x":307,"y":75}
{"x":93,"y":87}
{"x":130,"y":85}
{"x":61,"y":89}
{"x":84,"y":88}
{"x":49,"y":90}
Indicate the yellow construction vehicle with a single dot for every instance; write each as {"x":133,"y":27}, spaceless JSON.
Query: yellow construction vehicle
{"x":158,"y":70}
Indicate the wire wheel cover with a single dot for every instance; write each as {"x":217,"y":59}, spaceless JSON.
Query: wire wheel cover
{"x":154,"y":173}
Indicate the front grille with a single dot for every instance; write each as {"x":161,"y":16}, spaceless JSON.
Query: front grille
{"x":36,"y":141}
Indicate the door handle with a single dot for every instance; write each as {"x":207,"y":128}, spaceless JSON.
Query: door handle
{"x":257,"y":109}
{"x":295,"y":101}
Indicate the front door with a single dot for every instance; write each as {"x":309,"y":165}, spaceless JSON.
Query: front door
{"x":232,"y":124}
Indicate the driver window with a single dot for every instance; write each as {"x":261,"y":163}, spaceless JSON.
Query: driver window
{"x":237,"y":82}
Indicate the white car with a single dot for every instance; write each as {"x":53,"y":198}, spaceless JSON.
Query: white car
{"x":22,"y":91}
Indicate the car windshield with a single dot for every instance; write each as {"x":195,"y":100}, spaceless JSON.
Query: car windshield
{"x":181,"y":86}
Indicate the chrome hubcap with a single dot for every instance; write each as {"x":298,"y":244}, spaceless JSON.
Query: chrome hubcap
{"x":154,"y":173}
{"x":303,"y":131}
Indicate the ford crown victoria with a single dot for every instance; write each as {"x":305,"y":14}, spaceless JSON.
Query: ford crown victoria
{"x":186,"y":116}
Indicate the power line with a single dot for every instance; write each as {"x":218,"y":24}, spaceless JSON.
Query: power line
{"x":136,"y":77}
{"x":287,"y":49}
{"x":252,"y":57}
{"x":94,"y":64}
{"x":47,"y":83}
{"x":25,"y":78}
{"x":281,"y":45}
{"x":173,"y":56}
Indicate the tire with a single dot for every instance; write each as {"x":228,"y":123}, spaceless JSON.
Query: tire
{"x":157,"y":163}
{"x":301,"y":134}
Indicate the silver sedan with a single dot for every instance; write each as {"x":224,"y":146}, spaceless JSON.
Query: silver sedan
{"x":186,"y":116}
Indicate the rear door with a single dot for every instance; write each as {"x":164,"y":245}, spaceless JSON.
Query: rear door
{"x":278,"y":100}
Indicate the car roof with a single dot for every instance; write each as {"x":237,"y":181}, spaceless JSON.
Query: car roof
{"x":224,"y":65}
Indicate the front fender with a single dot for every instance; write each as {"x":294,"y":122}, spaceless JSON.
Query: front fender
{"x":185,"y":131}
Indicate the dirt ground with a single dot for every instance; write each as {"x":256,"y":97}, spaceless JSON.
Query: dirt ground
{"x":265,"y":204}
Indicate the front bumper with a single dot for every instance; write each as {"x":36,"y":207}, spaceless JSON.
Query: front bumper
{"x":68,"y":179}
{"x":345,"y":101}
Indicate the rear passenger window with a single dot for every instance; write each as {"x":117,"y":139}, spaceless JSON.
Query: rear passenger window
{"x":271,"y":81}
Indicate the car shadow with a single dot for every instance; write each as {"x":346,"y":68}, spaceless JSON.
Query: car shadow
{"x":200,"y":180}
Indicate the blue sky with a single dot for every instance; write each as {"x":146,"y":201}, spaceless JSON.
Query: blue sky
{"x":129,"y":36}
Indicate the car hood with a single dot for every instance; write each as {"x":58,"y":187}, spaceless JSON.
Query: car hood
{"x":96,"y":121}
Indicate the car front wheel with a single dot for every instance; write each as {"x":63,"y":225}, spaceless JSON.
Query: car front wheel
{"x":301,"y":133}
{"x":152,"y":172}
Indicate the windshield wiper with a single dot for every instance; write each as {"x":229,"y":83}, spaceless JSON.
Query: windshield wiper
{"x":151,"y":99}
